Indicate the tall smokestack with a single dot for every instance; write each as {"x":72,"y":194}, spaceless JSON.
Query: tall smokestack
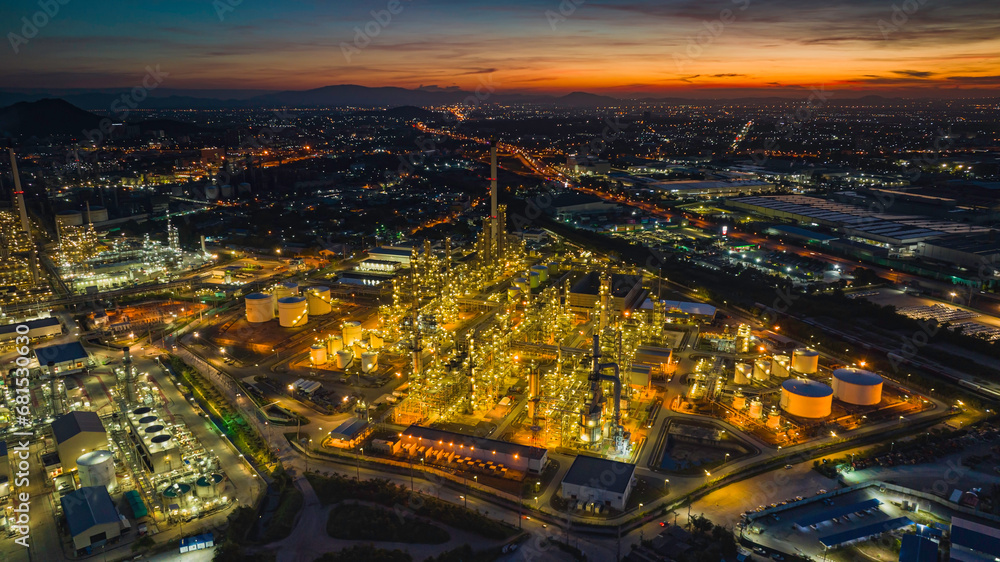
{"x":58,"y":407}
{"x":493,"y":184}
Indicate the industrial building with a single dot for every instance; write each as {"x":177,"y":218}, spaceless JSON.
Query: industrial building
{"x":156,"y":445}
{"x":599,"y":481}
{"x":437,"y":445}
{"x":91,"y":517}
{"x":857,"y":386}
{"x":350,"y":433}
{"x":568,"y":207}
{"x":973,"y":542}
{"x":806,"y":398}
{"x":64,"y":358}
{"x":77,"y":433}
{"x":37,"y":328}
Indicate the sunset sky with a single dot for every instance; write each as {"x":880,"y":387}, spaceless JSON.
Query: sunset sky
{"x":703,"y":48}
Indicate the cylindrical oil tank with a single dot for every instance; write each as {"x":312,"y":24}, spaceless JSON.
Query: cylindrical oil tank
{"x":317,"y":354}
{"x":533,"y":279}
{"x":226,"y":191}
{"x":69,"y":218}
{"x":780,"y":365}
{"x":513,"y":294}
{"x":553,"y":268}
{"x":369,"y":361}
{"x":805,"y":361}
{"x":542,"y":271}
{"x":357,"y":349}
{"x":352,"y":333}
{"x":773,"y":419}
{"x":286,"y":289}
{"x":762,"y":369}
{"x":522,"y":283}
{"x":344,"y":359}
{"x":211,"y":192}
{"x":756,"y":408}
{"x":744,"y":372}
{"x":334,"y":344}
{"x":292,"y":312}
{"x":375,"y":340}
{"x":204,"y":488}
{"x":97,"y":214}
{"x":260,"y":308}
{"x":97,"y":468}
{"x":319,"y":301}
{"x":806,"y":399}
{"x":857,"y":386}
{"x":739,"y":401}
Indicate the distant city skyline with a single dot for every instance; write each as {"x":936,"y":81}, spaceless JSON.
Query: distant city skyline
{"x":685,"y":48}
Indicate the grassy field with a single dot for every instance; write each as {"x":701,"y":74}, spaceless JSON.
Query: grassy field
{"x":361,"y":522}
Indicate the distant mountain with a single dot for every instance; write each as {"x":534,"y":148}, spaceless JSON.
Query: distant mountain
{"x":46,"y":118}
{"x":585,"y":99}
{"x":350,"y":95}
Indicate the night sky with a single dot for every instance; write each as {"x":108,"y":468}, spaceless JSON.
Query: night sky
{"x":665,"y":47}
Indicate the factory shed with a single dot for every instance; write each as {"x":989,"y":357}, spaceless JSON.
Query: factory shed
{"x":307,"y":387}
{"x":348,"y":434}
{"x":972,"y":541}
{"x":65,"y":357}
{"x":865,"y":532}
{"x":837,"y":511}
{"x":918,"y":549}
{"x":602,"y":481}
{"x":77,"y":433}
{"x":91,"y":517}
{"x":459,"y":449}
{"x":38,"y":328}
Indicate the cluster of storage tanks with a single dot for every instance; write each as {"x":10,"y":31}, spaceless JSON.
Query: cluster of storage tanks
{"x":213,"y":192}
{"x":755,"y":410}
{"x":813,"y":399}
{"x":341,"y":350}
{"x":803,"y":397}
{"x":531,"y":279}
{"x":291,"y":307}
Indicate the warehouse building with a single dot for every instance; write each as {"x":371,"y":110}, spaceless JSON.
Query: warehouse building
{"x":65,"y":358}
{"x":91,"y":517}
{"x":38,"y":328}
{"x":77,"y":433}
{"x":446,"y":447}
{"x":973,"y":542}
{"x":601,"y":481}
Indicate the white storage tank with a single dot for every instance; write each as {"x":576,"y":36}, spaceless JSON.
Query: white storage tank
{"x":805,"y":361}
{"x":806,"y":399}
{"x":352,"y":333}
{"x":773,"y":419}
{"x":542,"y":271}
{"x":762,"y":369}
{"x":317,"y":354}
{"x":344,"y":359}
{"x":292,"y":312}
{"x":780,"y":365}
{"x":97,"y":214}
{"x":739,"y":401}
{"x":756,"y":408}
{"x":744,"y":372}
{"x":212,"y":192}
{"x":69,"y":218}
{"x":286,"y":289}
{"x":319,"y":301}
{"x":357,"y":349}
{"x":857,"y":386}
{"x":260,"y":308}
{"x":375,"y":340}
{"x":334,"y":344}
{"x":369,"y":361}
{"x":97,"y":468}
